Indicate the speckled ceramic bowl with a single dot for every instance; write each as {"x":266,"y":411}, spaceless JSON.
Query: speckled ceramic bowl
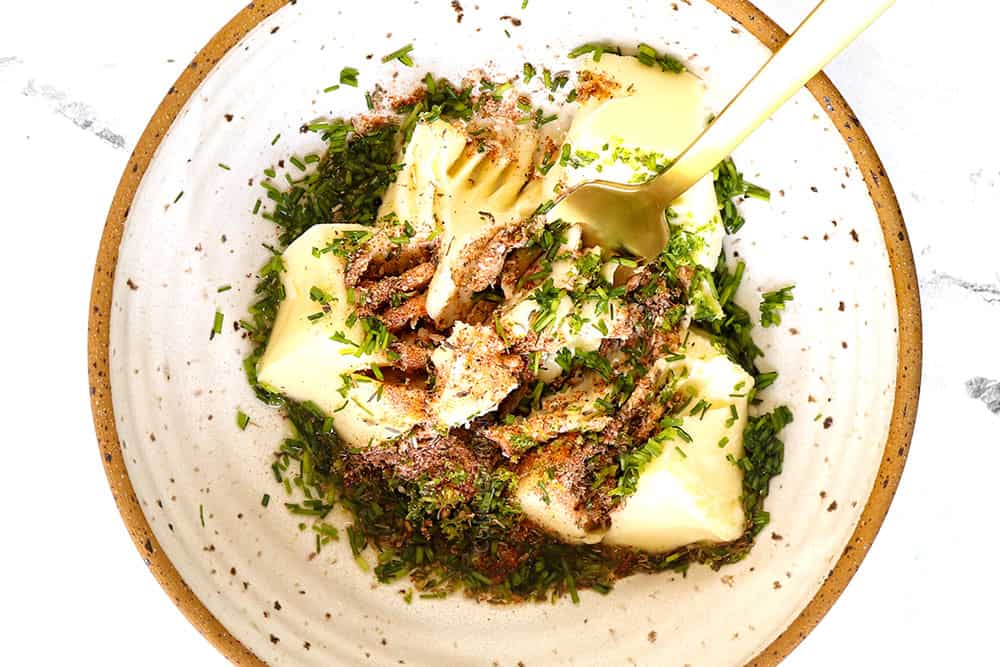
{"x":189,"y":483}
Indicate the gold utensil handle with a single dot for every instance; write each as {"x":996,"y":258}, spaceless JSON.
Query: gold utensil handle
{"x":824,"y":33}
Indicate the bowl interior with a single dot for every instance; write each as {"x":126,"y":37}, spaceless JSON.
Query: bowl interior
{"x":199,"y":480}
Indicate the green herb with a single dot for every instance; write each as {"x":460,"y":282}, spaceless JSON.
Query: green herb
{"x":216,"y":325}
{"x":765,"y":380}
{"x":729,"y":183}
{"x":178,"y":197}
{"x":595,"y":49}
{"x":442,"y":99}
{"x":265,"y":499}
{"x":224,"y":288}
{"x":761,"y":462}
{"x":772,"y":304}
{"x":330,"y":89}
{"x":649,"y":56}
{"x":700,"y":409}
{"x":242,"y":420}
{"x":349,"y":76}
{"x":402,"y":55}
{"x":201,"y":515}
{"x":529,"y":72}
{"x":224,"y":166}
{"x":349,"y":180}
{"x":547,"y":297}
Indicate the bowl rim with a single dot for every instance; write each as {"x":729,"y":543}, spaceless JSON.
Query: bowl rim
{"x":909,"y":348}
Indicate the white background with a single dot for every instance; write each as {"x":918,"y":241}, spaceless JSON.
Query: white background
{"x":78,"y":82}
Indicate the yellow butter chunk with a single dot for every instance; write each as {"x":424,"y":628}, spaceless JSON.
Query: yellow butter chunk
{"x":467,"y":197}
{"x":648,"y":119}
{"x":691,"y":492}
{"x":312,"y":348}
{"x":546,"y":501}
{"x":473,"y":375}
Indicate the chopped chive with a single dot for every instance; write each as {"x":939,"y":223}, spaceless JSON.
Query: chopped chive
{"x":178,"y":197}
{"x":758,"y":192}
{"x":299,"y":164}
{"x":224,"y":166}
{"x":330,"y":89}
{"x":369,"y":102}
{"x":402,"y":55}
{"x":216,"y":325}
{"x":201,"y":514}
{"x":242,"y":420}
{"x":265,"y":499}
{"x":765,"y":380}
{"x":224,"y":288}
{"x":256,"y":207}
{"x":349,"y":76}
{"x":275,"y":140}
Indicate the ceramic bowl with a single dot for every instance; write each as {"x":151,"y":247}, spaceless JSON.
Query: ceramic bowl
{"x":189,"y":482}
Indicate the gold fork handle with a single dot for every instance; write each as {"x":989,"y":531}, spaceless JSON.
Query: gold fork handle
{"x":824,"y":33}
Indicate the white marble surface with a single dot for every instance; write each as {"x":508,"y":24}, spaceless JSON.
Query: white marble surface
{"x":78,"y":81}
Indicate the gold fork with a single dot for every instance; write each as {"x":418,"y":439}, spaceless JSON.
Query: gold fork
{"x":631,"y":217}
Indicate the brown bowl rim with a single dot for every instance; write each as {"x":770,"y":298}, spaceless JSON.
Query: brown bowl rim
{"x":882,"y":196}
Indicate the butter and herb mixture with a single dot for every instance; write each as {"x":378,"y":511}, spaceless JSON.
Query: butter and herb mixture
{"x":486,"y":401}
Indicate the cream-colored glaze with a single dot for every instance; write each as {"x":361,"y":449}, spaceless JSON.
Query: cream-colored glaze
{"x":303,"y":362}
{"x":691,"y":492}
{"x":447,"y":186}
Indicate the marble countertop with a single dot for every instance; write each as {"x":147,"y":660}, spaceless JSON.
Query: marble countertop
{"x":78,"y":82}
